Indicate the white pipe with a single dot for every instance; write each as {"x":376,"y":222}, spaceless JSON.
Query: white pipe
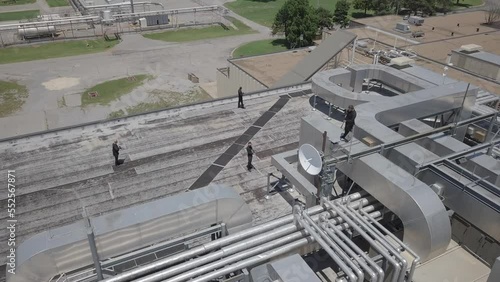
{"x":237,"y":248}
{"x":403,"y":245}
{"x":44,"y":23}
{"x":205,"y":248}
{"x":347,"y":270}
{"x":352,"y":250}
{"x":375,"y":245}
{"x":359,"y":275}
{"x":392,"y":249}
{"x":379,"y":271}
{"x":120,"y":4}
{"x":255,"y":260}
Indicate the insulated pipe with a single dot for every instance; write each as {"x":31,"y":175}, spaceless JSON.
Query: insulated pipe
{"x":259,"y":259}
{"x":234,"y":258}
{"x":338,"y":249}
{"x":383,"y":241}
{"x":205,"y":248}
{"x":347,"y":270}
{"x":379,"y":274}
{"x":415,"y":255}
{"x":224,"y":252}
{"x":375,"y":245}
{"x":236,"y":248}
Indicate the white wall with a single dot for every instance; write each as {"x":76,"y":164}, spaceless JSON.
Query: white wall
{"x":228,"y":86}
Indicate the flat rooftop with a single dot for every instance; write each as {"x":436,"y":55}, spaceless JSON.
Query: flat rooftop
{"x":268,"y":69}
{"x":165,"y":153}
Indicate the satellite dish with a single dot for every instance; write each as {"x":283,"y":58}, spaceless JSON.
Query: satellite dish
{"x":310,"y":159}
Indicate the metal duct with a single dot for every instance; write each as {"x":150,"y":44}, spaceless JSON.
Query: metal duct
{"x":66,"y":248}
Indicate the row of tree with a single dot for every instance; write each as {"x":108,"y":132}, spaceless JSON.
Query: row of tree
{"x":382,"y":7}
{"x":300,"y":22}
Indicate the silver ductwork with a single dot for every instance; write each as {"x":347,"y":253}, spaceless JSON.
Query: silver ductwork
{"x":66,"y":248}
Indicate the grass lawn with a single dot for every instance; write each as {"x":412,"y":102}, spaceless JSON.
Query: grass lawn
{"x":21,"y":15}
{"x":54,"y":50}
{"x":164,"y":99}
{"x":112,"y":90}
{"x":192,"y":34}
{"x":15,"y":2}
{"x":260,"y":47}
{"x":466,"y":3}
{"x":12,"y":97}
{"x":57,"y":3}
{"x":264,"y":12}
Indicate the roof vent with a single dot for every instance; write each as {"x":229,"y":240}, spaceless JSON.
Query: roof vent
{"x":402,"y":61}
{"x":471,"y":48}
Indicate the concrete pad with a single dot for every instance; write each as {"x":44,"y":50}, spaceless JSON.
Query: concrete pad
{"x":210,"y":88}
{"x":456,"y":265}
{"x":73,"y":100}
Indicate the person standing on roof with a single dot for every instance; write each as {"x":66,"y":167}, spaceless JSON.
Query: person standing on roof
{"x":240,"y":98}
{"x":250,"y":152}
{"x":116,"y":152}
{"x":350,"y":116}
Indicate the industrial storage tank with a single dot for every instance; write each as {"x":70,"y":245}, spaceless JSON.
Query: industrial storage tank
{"x":31,"y":32}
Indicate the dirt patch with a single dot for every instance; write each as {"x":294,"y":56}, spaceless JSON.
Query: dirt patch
{"x":61,"y":83}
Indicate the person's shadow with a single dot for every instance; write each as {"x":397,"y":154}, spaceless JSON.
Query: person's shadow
{"x":322,"y":106}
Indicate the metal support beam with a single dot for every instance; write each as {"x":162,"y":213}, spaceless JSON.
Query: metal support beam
{"x":93,"y":249}
{"x":409,"y":139}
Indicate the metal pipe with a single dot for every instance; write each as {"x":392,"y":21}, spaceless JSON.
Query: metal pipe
{"x":459,"y":154}
{"x":115,"y":5}
{"x":375,"y":245}
{"x":391,"y":248}
{"x":238,"y":247}
{"x":240,"y":255}
{"x":258,"y":259}
{"x":406,"y":140}
{"x":341,"y":249}
{"x":379,"y":274}
{"x":387,"y":232}
{"x":347,"y":270}
{"x":205,"y":248}
{"x":93,"y":249}
{"x":223,"y":252}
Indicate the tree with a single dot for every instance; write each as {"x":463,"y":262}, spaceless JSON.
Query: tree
{"x":340,"y":15}
{"x":325,"y":18}
{"x":426,"y":6}
{"x":383,"y":7}
{"x":492,"y":14}
{"x":445,"y":4}
{"x":363,"y":5}
{"x":297,"y":19}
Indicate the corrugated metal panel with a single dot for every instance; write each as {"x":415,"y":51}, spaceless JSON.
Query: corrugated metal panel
{"x":313,"y":62}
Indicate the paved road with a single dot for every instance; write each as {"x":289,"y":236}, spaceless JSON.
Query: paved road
{"x":169,"y":62}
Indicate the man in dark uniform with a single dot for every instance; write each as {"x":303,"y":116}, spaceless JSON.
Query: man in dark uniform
{"x":350,"y":116}
{"x":116,"y":150}
{"x":240,"y":98}
{"x":250,"y":152}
